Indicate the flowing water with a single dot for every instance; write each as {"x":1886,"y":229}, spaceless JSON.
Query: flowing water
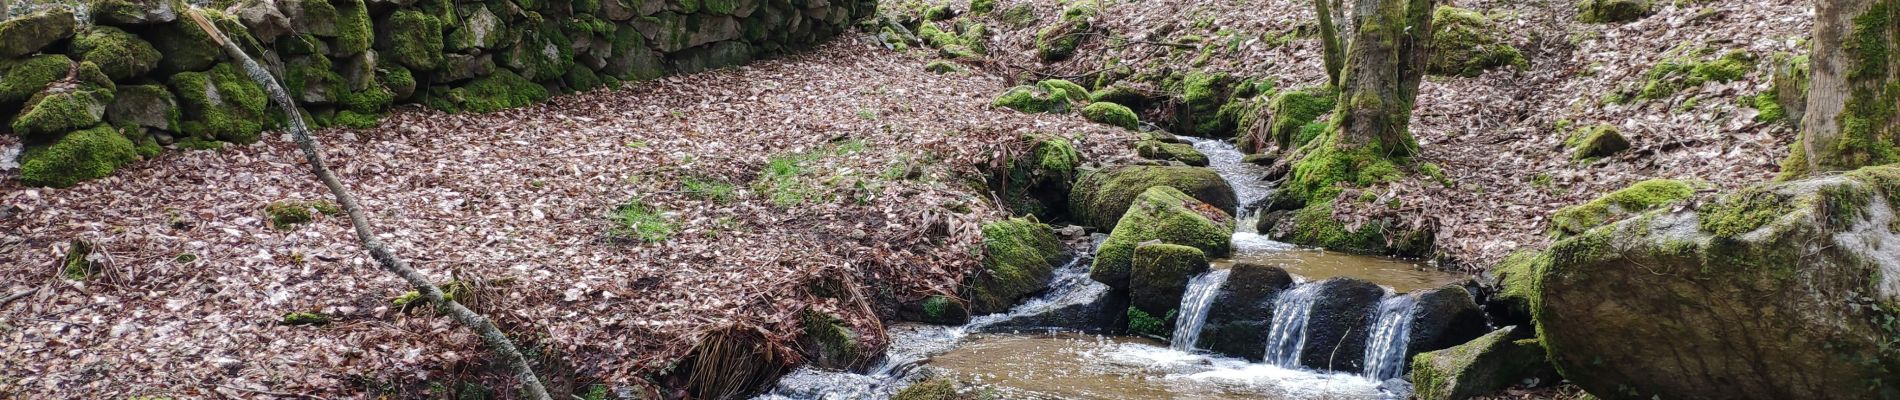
{"x":1286,"y":335}
{"x":1074,"y":366}
{"x":1391,"y":334}
{"x":1200,"y":295}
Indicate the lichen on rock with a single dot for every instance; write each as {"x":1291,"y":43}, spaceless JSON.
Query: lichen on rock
{"x":1490,"y":363}
{"x":1635,"y":199}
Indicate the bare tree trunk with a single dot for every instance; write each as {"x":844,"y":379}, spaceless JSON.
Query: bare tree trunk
{"x":1329,"y":41}
{"x":1390,"y":46}
{"x":492,"y":336}
{"x":1850,"y":120}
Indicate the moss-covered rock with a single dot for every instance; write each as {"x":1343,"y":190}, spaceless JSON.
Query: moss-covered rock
{"x":412,"y":38}
{"x":150,"y":106}
{"x":221,"y":104}
{"x":1204,"y":93}
{"x":312,"y":80}
{"x":479,"y":29}
{"x":1594,"y":142}
{"x":1290,"y":111}
{"x":120,"y":55}
{"x":183,"y":47}
{"x":1485,"y":365}
{"x":1467,"y":44}
{"x":132,"y":12}
{"x":1314,"y":225}
{"x":1069,"y":90}
{"x":1037,"y":182}
{"x":936,"y":309}
{"x":1158,"y":150}
{"x":710,"y":57}
{"x":632,"y":60}
{"x":1159,"y":275}
{"x":1019,"y":259}
{"x":1165,"y":214}
{"x":942,"y":66}
{"x":1100,"y":197}
{"x":832,"y":343}
{"x":1033,"y":99}
{"x":1635,"y":199}
{"x":1112,"y":114}
{"x":29,"y":33}
{"x":1692,"y":69}
{"x":1241,"y":315}
{"x":934,"y":389}
{"x":1512,"y":282}
{"x":63,"y":107}
{"x":21,"y":79}
{"x":1059,"y":41}
{"x":1443,"y":317}
{"x":1612,"y":11}
{"x":1784,"y":290}
{"x":354,"y":31}
{"x":1122,"y":94}
{"x":79,"y":156}
{"x":286,"y":215}
{"x":501,"y":90}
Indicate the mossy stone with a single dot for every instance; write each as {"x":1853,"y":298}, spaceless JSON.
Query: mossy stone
{"x":1612,"y":11}
{"x":1069,"y":90}
{"x":312,"y":80}
{"x":1240,"y":317}
{"x":934,"y":389}
{"x":1122,"y":94}
{"x":61,"y":109}
{"x":1635,"y":199}
{"x":942,"y":67}
{"x":132,"y":12}
{"x":1033,"y":99}
{"x":501,"y":90}
{"x":1290,"y":112}
{"x":1467,"y":43}
{"x":1594,"y":142}
{"x":1100,"y":197}
{"x":82,"y":155}
{"x":1059,"y":42}
{"x":184,"y":47}
{"x":150,"y":106}
{"x":1482,"y":366}
{"x":1204,"y":94}
{"x":832,"y":342}
{"x":1164,"y":214}
{"x":1159,"y":275}
{"x":542,"y":55}
{"x":355,"y":33}
{"x":1184,"y":153}
{"x":28,"y":34}
{"x":1037,"y":181}
{"x":414,"y":39}
{"x":222,"y":104}
{"x":1112,"y":114}
{"x":120,"y":55}
{"x":1019,"y":259}
{"x":21,"y":79}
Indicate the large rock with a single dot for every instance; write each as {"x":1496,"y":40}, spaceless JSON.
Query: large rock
{"x":132,"y":12}
{"x":1159,"y":277}
{"x":1241,"y":315}
{"x":631,"y":59}
{"x":411,"y":38}
{"x":21,"y":79}
{"x":1158,"y":150}
{"x":1166,"y":215}
{"x":1100,"y":197}
{"x":1779,"y":291}
{"x":264,"y":20}
{"x":28,"y":34}
{"x":713,"y":56}
{"x":78,"y":156}
{"x":1019,"y":259}
{"x":148,"y":106}
{"x":670,"y":32}
{"x":479,"y":29}
{"x":1486,"y":365}
{"x":833,"y":344}
{"x":184,"y":47}
{"x":1467,"y":43}
{"x":1444,"y":317}
{"x":1635,"y":199}
{"x":1037,"y":181}
{"x":1337,"y":325}
{"x":66,"y":105}
{"x":221,"y":104}
{"x":120,"y":55}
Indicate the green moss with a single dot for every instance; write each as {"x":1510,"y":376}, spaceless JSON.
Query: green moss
{"x":1484,"y":365}
{"x":940,"y":12}
{"x":1465,"y":43}
{"x":1612,"y":11}
{"x":356,"y":120}
{"x":1059,"y":41}
{"x":942,"y":67}
{"x":20,"y":79}
{"x":934,"y":389}
{"x":1032,"y":99}
{"x":29,"y":33}
{"x":120,"y":55}
{"x":54,"y":112}
{"x":1141,"y":323}
{"x":1319,"y":174}
{"x":304,"y":319}
{"x":546,"y":54}
{"x":582,"y":79}
{"x":1102,"y":197}
{"x":415,"y":40}
{"x":500,"y":90}
{"x":1019,"y":258}
{"x":1204,"y":94}
{"x":1120,"y":94}
{"x":222,"y":103}
{"x":980,"y":7}
{"x":192,"y":143}
{"x":286,"y":215}
{"x":836,"y":342}
{"x":184,"y":46}
{"x":76,"y":265}
{"x":1069,"y":90}
{"x":82,"y":155}
{"x":1314,"y":226}
{"x":1635,"y":199}
{"x":1112,"y":114}
{"x":1036,"y":182}
{"x":1165,"y":214}
{"x":1294,"y":110}
{"x":1742,"y":212}
{"x":1158,"y":150}
{"x":1019,"y":16}
{"x":1768,"y":106}
{"x":1593,"y":142}
{"x":1675,"y":74}
{"x":313,"y":79}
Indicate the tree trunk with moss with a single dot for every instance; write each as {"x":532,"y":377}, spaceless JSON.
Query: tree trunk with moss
{"x":1390,"y":47}
{"x":1334,"y":51}
{"x":1850,"y":120}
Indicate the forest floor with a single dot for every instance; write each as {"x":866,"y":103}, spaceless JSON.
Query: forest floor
{"x":760,"y":179}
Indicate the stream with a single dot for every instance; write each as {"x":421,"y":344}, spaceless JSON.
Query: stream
{"x":1034,"y":351}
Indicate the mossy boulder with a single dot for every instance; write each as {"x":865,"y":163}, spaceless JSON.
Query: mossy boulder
{"x":21,"y":79}
{"x":412,"y":38}
{"x":1512,"y":287}
{"x":1163,"y":214}
{"x":29,"y":33}
{"x":63,"y":107}
{"x":1112,"y":114}
{"x":355,"y":33}
{"x":1482,"y":366}
{"x":934,"y":389}
{"x":1241,"y":315}
{"x":221,"y":104}
{"x":1612,"y":11}
{"x":832,"y":343}
{"x":1786,"y":290}
{"x":1289,"y":113}
{"x":942,"y":67}
{"x":1203,"y":95}
{"x":1467,"y":44}
{"x":710,"y":57}
{"x":1101,"y":196}
{"x":1019,"y":258}
{"x":312,"y":80}
{"x":1033,"y":99}
{"x":78,"y":156}
{"x":1158,"y":150}
{"x":183,"y":47}
{"x":1314,"y":225}
{"x":150,"y":106}
{"x":1059,"y":41}
{"x":1693,"y":68}
{"x":1069,"y":90}
{"x":632,"y":60}
{"x":1159,"y":276}
{"x":500,"y":90}
{"x":1038,"y":180}
{"x":132,"y":12}
{"x":1635,"y":199}
{"x":120,"y":55}
{"x":1594,"y":142}
{"x":1122,"y":94}
{"x":479,"y":29}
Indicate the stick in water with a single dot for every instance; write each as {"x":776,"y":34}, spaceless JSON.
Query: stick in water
{"x":503,"y":347}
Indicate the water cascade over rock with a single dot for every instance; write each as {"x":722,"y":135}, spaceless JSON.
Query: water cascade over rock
{"x":1194,"y":308}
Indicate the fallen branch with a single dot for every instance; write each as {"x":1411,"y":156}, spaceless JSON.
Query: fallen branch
{"x":17,"y":296}
{"x":493,"y":336}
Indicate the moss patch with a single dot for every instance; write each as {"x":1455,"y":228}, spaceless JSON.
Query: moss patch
{"x":1165,"y":214}
{"x":934,"y":389}
{"x":1033,"y":99}
{"x":1159,"y":150}
{"x":1019,"y":259}
{"x":1590,"y":143}
{"x":1691,"y":70}
{"x":120,"y":55}
{"x":221,"y":104}
{"x":1635,"y":199}
{"x":414,"y":40}
{"x":82,"y":155}
{"x":1612,"y":11}
{"x":500,"y":90}
{"x":1467,"y":44}
{"x":20,"y":79}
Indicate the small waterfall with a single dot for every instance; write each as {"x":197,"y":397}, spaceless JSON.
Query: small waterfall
{"x":1286,"y":337}
{"x":1194,"y":304}
{"x":1391,"y":335}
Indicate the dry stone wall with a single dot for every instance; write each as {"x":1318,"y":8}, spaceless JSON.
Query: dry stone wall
{"x":139,"y":69}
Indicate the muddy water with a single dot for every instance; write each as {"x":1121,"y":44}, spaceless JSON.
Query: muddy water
{"x":1073,"y":366}
{"x":1315,"y":264}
